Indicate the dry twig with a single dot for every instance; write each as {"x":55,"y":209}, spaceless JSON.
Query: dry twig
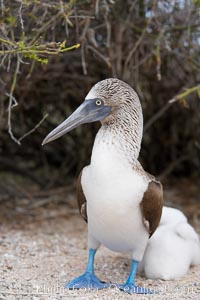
{"x":177,"y":98}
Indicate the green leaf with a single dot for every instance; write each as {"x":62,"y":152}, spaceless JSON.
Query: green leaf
{"x":35,"y":57}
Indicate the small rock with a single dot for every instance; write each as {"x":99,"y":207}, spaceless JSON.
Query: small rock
{"x":36,"y":298}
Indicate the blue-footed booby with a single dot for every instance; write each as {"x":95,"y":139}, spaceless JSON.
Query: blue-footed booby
{"x":121,"y":203}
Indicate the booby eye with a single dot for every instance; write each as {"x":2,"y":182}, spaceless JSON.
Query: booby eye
{"x":98,"y":102}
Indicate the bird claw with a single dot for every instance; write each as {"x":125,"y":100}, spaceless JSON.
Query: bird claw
{"x":134,"y":289}
{"x":87,"y":281}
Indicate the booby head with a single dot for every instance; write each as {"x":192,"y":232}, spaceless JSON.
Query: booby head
{"x":103,"y":102}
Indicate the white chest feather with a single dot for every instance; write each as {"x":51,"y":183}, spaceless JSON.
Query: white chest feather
{"x":114,"y":191}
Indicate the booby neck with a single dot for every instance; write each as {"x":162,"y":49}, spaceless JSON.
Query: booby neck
{"x":121,"y":132}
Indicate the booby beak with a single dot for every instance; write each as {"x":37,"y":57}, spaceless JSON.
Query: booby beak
{"x":89,"y":111}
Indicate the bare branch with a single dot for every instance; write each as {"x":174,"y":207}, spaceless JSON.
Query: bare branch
{"x":20,"y":16}
{"x":185,"y":94}
{"x":177,"y":98}
{"x":157,"y":116}
{"x":11,"y":100}
{"x":97,"y":8}
{"x":84,"y":67}
{"x":105,"y":59}
{"x":172,"y":166}
{"x":33,"y":129}
{"x":137,"y":44}
{"x":2,"y":7}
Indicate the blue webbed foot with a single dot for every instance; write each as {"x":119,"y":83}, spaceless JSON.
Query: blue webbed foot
{"x":87,"y":281}
{"x":134,"y":289}
{"x":130,"y":287}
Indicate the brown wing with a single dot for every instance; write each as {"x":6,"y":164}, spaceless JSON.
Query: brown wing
{"x":151,"y":205}
{"x":82,"y":203}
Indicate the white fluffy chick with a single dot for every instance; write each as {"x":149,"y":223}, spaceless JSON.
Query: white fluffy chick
{"x":173,"y":248}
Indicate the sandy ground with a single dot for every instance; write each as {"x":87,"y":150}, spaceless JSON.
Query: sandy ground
{"x":43,"y":248}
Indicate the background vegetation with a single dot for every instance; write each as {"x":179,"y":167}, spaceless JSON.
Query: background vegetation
{"x":52,"y":52}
